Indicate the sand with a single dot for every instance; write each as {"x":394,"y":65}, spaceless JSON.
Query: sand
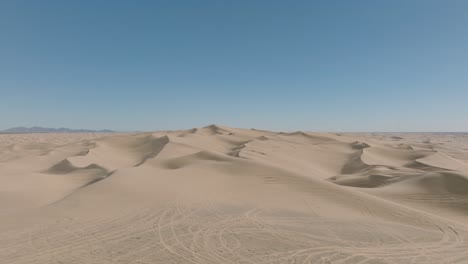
{"x":224,"y":195}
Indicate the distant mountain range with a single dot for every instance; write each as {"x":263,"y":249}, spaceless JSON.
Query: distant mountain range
{"x":37,"y":129}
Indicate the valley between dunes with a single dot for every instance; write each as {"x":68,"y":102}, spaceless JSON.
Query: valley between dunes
{"x":225,"y":195}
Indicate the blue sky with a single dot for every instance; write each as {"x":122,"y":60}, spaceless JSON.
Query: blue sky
{"x":284,"y":65}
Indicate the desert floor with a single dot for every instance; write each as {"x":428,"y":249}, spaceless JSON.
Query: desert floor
{"x":225,"y":195}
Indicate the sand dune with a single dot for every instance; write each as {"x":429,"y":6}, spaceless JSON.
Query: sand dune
{"x":225,"y":195}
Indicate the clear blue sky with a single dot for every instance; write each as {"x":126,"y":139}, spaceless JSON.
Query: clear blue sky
{"x":372,"y":65}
